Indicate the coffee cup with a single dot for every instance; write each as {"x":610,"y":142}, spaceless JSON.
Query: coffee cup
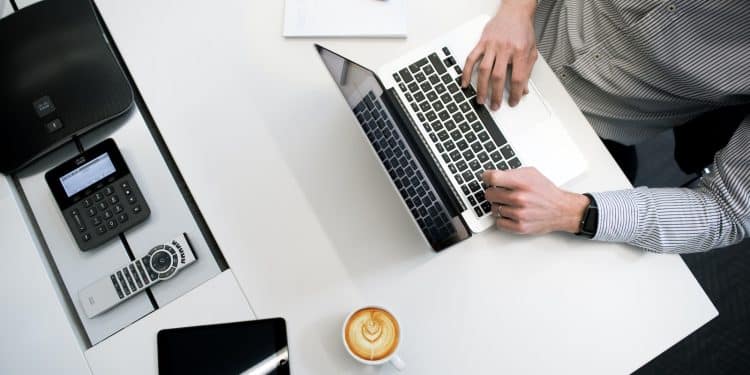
{"x":372,"y":336}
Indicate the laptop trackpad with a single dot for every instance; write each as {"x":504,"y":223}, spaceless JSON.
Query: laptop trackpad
{"x":530,"y":110}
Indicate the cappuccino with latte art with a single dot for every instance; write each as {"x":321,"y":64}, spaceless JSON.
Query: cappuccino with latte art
{"x":372,"y":334}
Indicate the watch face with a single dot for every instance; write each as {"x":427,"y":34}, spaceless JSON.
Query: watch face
{"x":591,"y":222}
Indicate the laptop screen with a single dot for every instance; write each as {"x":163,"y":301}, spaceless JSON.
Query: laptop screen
{"x":394,"y":146}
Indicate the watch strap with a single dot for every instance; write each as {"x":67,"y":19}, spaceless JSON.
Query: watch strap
{"x":590,"y":219}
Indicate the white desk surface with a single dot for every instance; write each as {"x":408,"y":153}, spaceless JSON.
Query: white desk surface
{"x":312,"y":229}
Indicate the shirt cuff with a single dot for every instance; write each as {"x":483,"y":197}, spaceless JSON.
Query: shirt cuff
{"x":618,"y":215}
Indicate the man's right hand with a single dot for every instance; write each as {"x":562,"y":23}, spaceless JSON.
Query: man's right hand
{"x":508,"y":40}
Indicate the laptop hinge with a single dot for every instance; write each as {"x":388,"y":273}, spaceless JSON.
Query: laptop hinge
{"x":425,"y":156}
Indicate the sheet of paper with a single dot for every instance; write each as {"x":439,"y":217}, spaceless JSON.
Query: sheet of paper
{"x":345,"y":18}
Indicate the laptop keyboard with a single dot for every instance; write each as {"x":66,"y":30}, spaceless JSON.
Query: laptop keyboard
{"x":406,"y":174}
{"x":462,"y":131}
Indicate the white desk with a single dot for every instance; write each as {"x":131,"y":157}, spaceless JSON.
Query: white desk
{"x":311,"y":228}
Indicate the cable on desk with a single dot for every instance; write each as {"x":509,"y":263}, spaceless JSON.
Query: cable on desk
{"x":78,"y":143}
{"x":14,"y":5}
{"x":132,"y":258}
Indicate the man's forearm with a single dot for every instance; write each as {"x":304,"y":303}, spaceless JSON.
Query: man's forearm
{"x":675,"y":220}
{"x":526,"y":7}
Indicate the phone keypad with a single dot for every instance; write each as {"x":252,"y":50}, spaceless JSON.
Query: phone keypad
{"x":107,"y":211}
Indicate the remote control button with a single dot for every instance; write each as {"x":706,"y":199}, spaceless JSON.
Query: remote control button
{"x":91,"y":211}
{"x":131,"y":199}
{"x":122,"y":283}
{"x":101,"y":205}
{"x":111,"y":224}
{"x":113,"y":199}
{"x":136,"y":209}
{"x":142,"y":271}
{"x":86,"y":203}
{"x":108,"y":190}
{"x":122,"y":218}
{"x":161,"y":261}
{"x":74,"y":212}
{"x":129,"y":278}
{"x":136,"y":276}
{"x":117,"y":286}
{"x":108,"y":215}
{"x":118,"y":209}
{"x":97,"y":220}
{"x":98,"y":197}
{"x":86,"y":237}
{"x":171,"y":250}
{"x":127,"y":191}
{"x":147,"y":265}
{"x":101,"y":230}
{"x":169,"y":272}
{"x":124,"y":185}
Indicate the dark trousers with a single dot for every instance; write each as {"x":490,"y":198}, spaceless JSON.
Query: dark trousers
{"x":625,"y":156}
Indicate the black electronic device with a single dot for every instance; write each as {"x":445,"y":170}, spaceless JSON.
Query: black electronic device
{"x":250,"y":347}
{"x":59,"y":78}
{"x":97,"y":195}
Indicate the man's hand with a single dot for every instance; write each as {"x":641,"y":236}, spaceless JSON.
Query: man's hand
{"x":508,"y":39}
{"x":526,"y":202}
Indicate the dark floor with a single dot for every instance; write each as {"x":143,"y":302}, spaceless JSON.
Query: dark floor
{"x":722,"y":346}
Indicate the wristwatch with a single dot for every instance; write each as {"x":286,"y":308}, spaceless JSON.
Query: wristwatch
{"x":590,"y":219}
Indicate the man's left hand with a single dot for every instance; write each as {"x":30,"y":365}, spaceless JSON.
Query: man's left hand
{"x":526,"y":202}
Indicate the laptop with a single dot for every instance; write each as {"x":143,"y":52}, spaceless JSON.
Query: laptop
{"x":435,"y":141}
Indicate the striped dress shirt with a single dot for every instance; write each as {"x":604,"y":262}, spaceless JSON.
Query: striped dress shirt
{"x":637,"y":68}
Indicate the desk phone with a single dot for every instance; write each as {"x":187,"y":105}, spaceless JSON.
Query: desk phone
{"x":97,"y":195}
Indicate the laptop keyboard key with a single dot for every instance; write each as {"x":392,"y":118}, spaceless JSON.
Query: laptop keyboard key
{"x":489,"y":146}
{"x":514,"y":163}
{"x":435,"y":60}
{"x":456,"y":135}
{"x":406,"y":75}
{"x":507,"y":152}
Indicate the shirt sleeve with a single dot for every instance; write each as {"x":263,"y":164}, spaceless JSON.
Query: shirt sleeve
{"x":714,"y":214}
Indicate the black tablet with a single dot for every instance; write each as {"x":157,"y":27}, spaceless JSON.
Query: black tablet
{"x":251,"y":347}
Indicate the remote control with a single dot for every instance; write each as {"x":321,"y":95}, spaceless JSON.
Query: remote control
{"x":161,"y":263}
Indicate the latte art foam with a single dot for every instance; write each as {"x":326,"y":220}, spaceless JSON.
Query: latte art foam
{"x":372,"y":334}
